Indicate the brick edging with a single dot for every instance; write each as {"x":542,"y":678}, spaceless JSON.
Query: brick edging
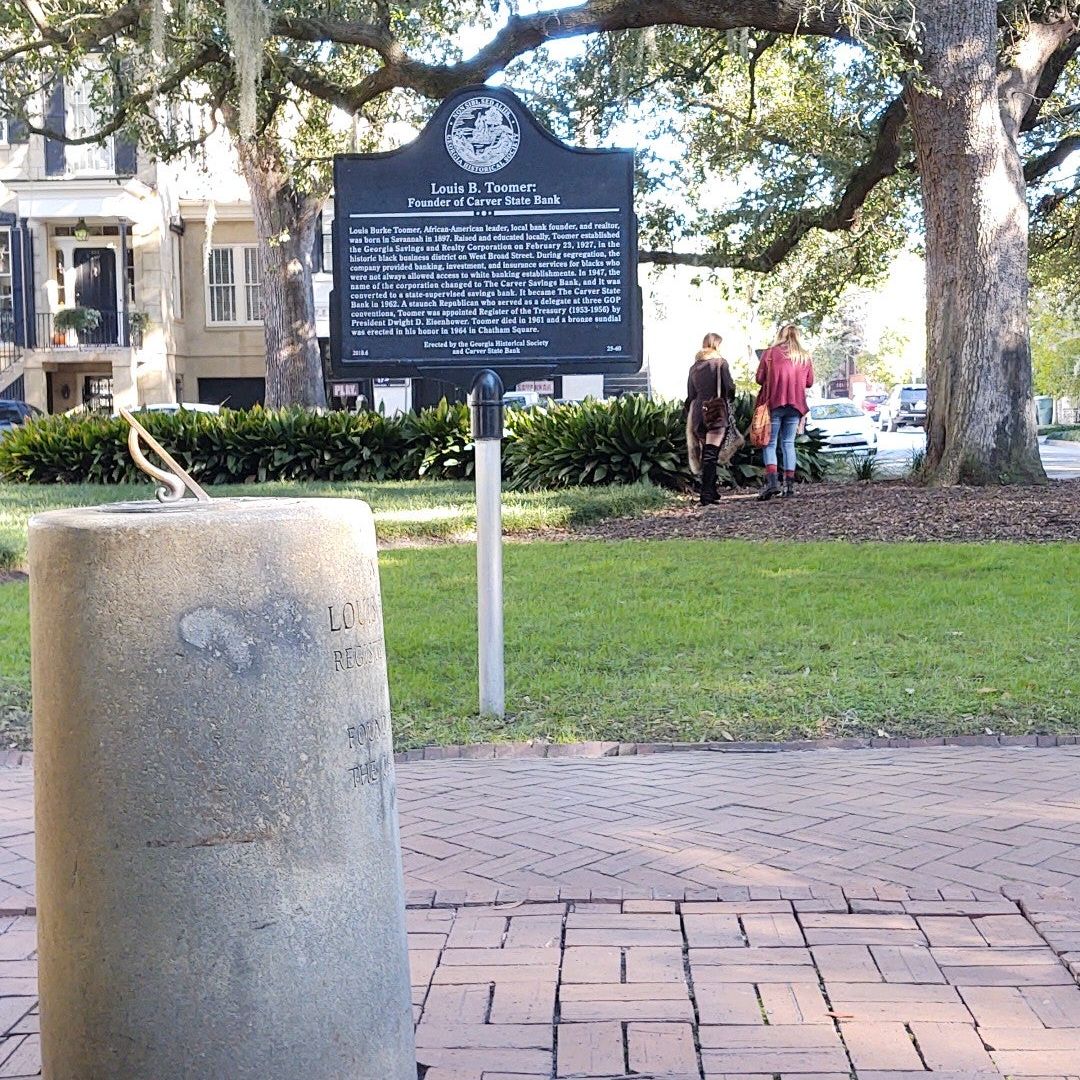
{"x":500,"y":751}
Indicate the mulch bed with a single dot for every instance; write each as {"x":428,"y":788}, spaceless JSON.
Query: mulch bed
{"x":881,"y":511}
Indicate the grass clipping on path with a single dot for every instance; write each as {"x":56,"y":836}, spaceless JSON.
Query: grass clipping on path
{"x":692,"y":640}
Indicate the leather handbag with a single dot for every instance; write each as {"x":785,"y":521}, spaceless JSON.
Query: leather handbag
{"x":761,"y":423}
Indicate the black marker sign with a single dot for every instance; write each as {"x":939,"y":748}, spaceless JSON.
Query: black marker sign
{"x":485,"y":243}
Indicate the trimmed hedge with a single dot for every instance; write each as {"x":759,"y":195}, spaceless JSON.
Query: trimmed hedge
{"x":625,"y":441}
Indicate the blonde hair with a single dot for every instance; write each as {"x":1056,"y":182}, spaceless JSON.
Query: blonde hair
{"x":710,"y":345}
{"x":788,"y":340}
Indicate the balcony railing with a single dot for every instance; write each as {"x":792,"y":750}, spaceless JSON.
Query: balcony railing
{"x":114,"y":331}
{"x":10,"y":349}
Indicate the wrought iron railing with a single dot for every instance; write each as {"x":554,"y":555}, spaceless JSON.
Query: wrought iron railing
{"x":10,"y":349}
{"x":113,"y":331}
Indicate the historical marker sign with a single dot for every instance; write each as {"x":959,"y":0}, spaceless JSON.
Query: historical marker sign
{"x":485,"y":243}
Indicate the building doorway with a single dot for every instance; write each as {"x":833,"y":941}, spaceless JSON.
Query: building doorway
{"x":95,"y":287}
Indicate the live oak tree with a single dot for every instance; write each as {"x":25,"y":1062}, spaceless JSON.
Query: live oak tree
{"x":970,"y":84}
{"x":819,"y":146}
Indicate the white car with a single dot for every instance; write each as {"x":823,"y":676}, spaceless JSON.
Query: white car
{"x":177,"y":406}
{"x":843,"y":425}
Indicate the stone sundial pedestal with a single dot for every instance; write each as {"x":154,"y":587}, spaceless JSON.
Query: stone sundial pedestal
{"x":219,"y":877}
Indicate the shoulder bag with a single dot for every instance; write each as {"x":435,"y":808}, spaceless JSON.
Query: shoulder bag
{"x":715,"y":409}
{"x":761,"y":424}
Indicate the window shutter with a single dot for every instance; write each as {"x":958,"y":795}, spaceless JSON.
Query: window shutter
{"x":18,"y":132}
{"x":18,"y":307}
{"x":54,"y":120}
{"x":126,"y":156}
{"x":317,"y":247}
{"x":27,"y":274}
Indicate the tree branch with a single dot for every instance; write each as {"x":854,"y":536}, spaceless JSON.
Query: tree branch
{"x":1039,"y":167}
{"x":524,"y":33}
{"x":130,"y":103}
{"x":91,"y":34}
{"x":1020,"y":83}
{"x":1052,"y":72}
{"x":882,"y":163}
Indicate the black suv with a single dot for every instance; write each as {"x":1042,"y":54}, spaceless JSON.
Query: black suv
{"x":906,"y":405}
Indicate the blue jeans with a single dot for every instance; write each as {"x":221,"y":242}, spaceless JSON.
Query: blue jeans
{"x":785,"y":425}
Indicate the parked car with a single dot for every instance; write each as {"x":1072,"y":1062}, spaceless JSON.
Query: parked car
{"x":906,"y":405}
{"x":872,"y":403}
{"x":180,"y":406}
{"x":14,"y":413}
{"x":843,"y":426}
{"x":176,"y":406}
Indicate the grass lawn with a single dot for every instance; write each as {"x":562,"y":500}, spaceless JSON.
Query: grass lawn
{"x":686,"y":640}
{"x":404,"y":510}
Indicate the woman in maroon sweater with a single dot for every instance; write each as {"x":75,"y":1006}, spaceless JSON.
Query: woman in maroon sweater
{"x":784,"y":374}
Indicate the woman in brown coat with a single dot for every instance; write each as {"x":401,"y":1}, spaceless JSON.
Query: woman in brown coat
{"x":709,"y":378}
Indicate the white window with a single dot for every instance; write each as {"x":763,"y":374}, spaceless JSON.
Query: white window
{"x":82,"y":119}
{"x":3,"y":131}
{"x":328,"y":247}
{"x":7,"y":293}
{"x":234,"y":285}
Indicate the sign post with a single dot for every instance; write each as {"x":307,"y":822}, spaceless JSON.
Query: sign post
{"x":486,"y":412}
{"x":484,"y":252}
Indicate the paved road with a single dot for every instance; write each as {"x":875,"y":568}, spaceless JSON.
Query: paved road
{"x":895,"y":448}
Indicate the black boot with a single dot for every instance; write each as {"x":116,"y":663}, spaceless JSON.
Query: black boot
{"x":771,"y":488}
{"x":709,"y":457}
{"x":789,"y":487}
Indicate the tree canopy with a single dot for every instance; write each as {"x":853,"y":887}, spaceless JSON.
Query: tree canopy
{"x":814,"y":127}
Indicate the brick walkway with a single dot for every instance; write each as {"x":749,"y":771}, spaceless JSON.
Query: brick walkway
{"x":682,"y":916}
{"x":669,"y":824}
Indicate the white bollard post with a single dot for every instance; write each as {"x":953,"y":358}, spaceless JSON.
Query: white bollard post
{"x":485,"y":400}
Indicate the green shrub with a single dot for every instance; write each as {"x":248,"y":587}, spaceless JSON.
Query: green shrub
{"x":1062,"y":432}
{"x":441,"y":442}
{"x":230,"y":447}
{"x":627,"y":441}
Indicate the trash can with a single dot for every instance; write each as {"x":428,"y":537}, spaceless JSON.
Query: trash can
{"x":1044,"y":409}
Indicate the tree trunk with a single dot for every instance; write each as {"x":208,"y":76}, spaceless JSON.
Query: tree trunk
{"x":981,"y":427}
{"x":285,"y":222}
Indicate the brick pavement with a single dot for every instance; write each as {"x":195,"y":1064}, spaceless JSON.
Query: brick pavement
{"x":825,"y":988}
{"x":682,"y":916}
{"x":944,"y":818}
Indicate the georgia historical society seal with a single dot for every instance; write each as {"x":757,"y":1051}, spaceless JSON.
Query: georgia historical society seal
{"x":482,"y":135}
